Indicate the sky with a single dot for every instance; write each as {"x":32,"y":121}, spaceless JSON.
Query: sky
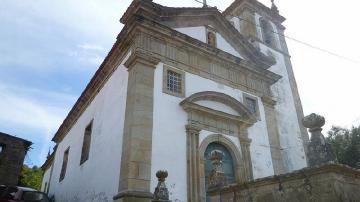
{"x":49,"y":50}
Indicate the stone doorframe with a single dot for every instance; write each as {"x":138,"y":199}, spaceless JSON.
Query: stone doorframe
{"x":204,"y":118}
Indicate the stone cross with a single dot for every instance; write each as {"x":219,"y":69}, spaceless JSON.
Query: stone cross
{"x":161,"y":193}
{"x":204,"y":3}
{"x":217,"y":176}
{"x":320,"y":151}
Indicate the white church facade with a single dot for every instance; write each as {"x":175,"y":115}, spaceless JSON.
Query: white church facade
{"x":178,"y":83}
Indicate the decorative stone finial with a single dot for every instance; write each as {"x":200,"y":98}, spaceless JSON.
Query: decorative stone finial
{"x":319,"y":151}
{"x":217,"y":176}
{"x":161,"y":192}
{"x":314,"y":122}
{"x":274,"y":8}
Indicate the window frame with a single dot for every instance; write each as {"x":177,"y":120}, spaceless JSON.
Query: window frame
{"x":257,"y":110}
{"x":64,"y":164}
{"x":84,"y":158}
{"x":165,"y":81}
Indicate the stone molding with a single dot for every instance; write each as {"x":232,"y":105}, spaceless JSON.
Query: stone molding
{"x":133,"y":193}
{"x":175,"y":49}
{"x":165,"y":80}
{"x":239,"y":6}
{"x":195,"y":151}
{"x":173,"y":16}
{"x":329,"y":169}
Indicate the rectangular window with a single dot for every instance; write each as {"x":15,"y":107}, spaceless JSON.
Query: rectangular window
{"x":45,"y":187}
{"x":173,"y":82}
{"x":251,"y":105}
{"x":64,"y":164}
{"x":86,"y":143}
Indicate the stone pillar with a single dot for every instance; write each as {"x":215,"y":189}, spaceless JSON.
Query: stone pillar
{"x":192,"y":157}
{"x":319,"y":151}
{"x":273,"y":134}
{"x":135,"y":170}
{"x":245,"y":150}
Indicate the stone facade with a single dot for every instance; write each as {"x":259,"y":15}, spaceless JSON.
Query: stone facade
{"x":12,"y":154}
{"x":326,"y":183}
{"x":158,"y":126}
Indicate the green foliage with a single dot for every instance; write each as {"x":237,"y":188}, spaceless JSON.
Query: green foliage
{"x":31,"y":177}
{"x":346,"y":145}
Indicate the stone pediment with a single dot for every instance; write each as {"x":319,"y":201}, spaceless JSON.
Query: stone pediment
{"x":243,"y":115}
{"x":204,"y":16}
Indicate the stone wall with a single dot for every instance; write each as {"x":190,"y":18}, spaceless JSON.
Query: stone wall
{"x":12,"y":154}
{"x":329,"y":182}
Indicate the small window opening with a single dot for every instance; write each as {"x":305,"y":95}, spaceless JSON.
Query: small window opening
{"x":267,"y":33}
{"x":86,"y":143}
{"x":174,"y":80}
{"x":64,"y":164}
{"x":251,"y":105}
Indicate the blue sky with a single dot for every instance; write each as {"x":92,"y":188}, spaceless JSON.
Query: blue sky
{"x":49,"y":50}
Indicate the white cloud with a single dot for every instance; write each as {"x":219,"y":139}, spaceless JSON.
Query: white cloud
{"x":25,"y":107}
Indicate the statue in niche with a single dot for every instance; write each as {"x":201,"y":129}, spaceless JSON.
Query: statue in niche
{"x":211,"y":38}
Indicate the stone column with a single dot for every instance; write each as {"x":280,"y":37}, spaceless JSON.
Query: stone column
{"x":273,"y":134}
{"x":135,"y":170}
{"x":192,"y":157}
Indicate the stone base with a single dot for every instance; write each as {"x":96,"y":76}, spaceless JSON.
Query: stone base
{"x":326,"y":183}
{"x":133,"y":196}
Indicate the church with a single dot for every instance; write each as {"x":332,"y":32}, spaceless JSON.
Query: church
{"x":178,"y":84}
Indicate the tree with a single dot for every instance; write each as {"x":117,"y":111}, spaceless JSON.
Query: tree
{"x":31,"y":177}
{"x":346,"y":145}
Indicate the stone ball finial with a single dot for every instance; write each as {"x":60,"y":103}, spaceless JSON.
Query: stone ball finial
{"x":161,"y":175}
{"x":313,"y":122}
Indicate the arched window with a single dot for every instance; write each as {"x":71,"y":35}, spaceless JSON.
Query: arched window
{"x":227,"y":164}
{"x":268,"y":34}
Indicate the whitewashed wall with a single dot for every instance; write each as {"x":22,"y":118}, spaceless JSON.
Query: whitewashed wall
{"x":169,"y":135}
{"x":289,"y":129}
{"x":97,"y":179}
{"x":46,"y":179}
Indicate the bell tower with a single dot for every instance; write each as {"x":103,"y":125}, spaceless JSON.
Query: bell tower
{"x":262,"y":26}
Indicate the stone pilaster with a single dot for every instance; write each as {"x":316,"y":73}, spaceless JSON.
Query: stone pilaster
{"x":135,"y":170}
{"x":273,"y":134}
{"x":245,"y":143}
{"x":294,"y":90}
{"x":192,"y":157}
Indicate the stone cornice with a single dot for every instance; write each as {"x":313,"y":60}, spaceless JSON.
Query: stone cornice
{"x":141,"y":57}
{"x":255,"y":6}
{"x":139,"y":24}
{"x":210,"y":15}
